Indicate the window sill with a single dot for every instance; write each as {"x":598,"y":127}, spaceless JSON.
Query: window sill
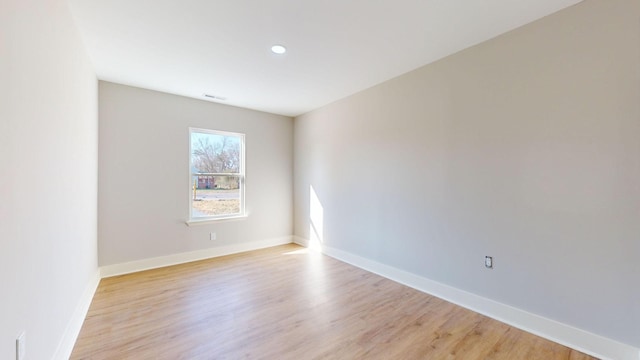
{"x":213,"y":221}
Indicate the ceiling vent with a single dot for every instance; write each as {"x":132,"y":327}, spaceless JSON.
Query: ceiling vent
{"x":214,"y":97}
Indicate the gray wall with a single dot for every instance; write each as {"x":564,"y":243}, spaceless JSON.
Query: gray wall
{"x":525,"y":147}
{"x":144,"y":180}
{"x":48,"y":174}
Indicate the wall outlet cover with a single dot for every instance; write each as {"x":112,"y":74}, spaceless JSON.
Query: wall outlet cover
{"x":488,"y":262}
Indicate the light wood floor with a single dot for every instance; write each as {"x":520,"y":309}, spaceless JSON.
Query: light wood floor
{"x":288,"y":303}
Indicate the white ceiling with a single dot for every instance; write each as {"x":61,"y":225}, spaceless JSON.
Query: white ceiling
{"x":335,"y":47}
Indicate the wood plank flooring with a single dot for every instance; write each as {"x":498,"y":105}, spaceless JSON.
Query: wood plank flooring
{"x":288,"y":303}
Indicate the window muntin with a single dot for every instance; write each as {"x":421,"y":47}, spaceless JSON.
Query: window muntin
{"x":216,"y":174}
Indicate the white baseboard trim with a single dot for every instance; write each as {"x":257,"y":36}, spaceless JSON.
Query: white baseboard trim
{"x":181,"y":258}
{"x":70,"y":335}
{"x":555,"y":331}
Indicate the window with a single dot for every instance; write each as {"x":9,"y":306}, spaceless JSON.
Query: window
{"x":216,"y":175}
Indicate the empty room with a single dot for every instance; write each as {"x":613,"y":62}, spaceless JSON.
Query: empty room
{"x":409,"y":179}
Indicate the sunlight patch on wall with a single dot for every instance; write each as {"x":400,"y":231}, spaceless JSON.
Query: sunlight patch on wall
{"x":316,"y":220}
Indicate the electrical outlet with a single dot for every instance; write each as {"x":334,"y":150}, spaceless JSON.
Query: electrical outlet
{"x":488,"y":262}
{"x":21,"y":346}
{"x":212,"y":236}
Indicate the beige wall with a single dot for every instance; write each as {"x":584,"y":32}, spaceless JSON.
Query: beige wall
{"x":145,"y":135}
{"x":526,"y":148}
{"x":48,"y":174}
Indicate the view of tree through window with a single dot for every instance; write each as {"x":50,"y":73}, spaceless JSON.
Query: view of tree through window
{"x":217,"y":174}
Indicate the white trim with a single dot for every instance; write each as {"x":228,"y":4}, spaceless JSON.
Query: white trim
{"x":300,"y":241}
{"x":70,"y":335}
{"x":555,"y":331}
{"x":174,"y":259}
{"x":208,"y":221}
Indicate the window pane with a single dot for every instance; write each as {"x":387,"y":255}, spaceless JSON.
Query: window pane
{"x":215,"y":153}
{"x":215,"y":195}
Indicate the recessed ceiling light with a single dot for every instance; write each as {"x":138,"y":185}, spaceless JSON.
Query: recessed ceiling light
{"x":278,"y":49}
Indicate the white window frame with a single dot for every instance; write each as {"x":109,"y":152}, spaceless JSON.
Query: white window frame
{"x":241,"y":175}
